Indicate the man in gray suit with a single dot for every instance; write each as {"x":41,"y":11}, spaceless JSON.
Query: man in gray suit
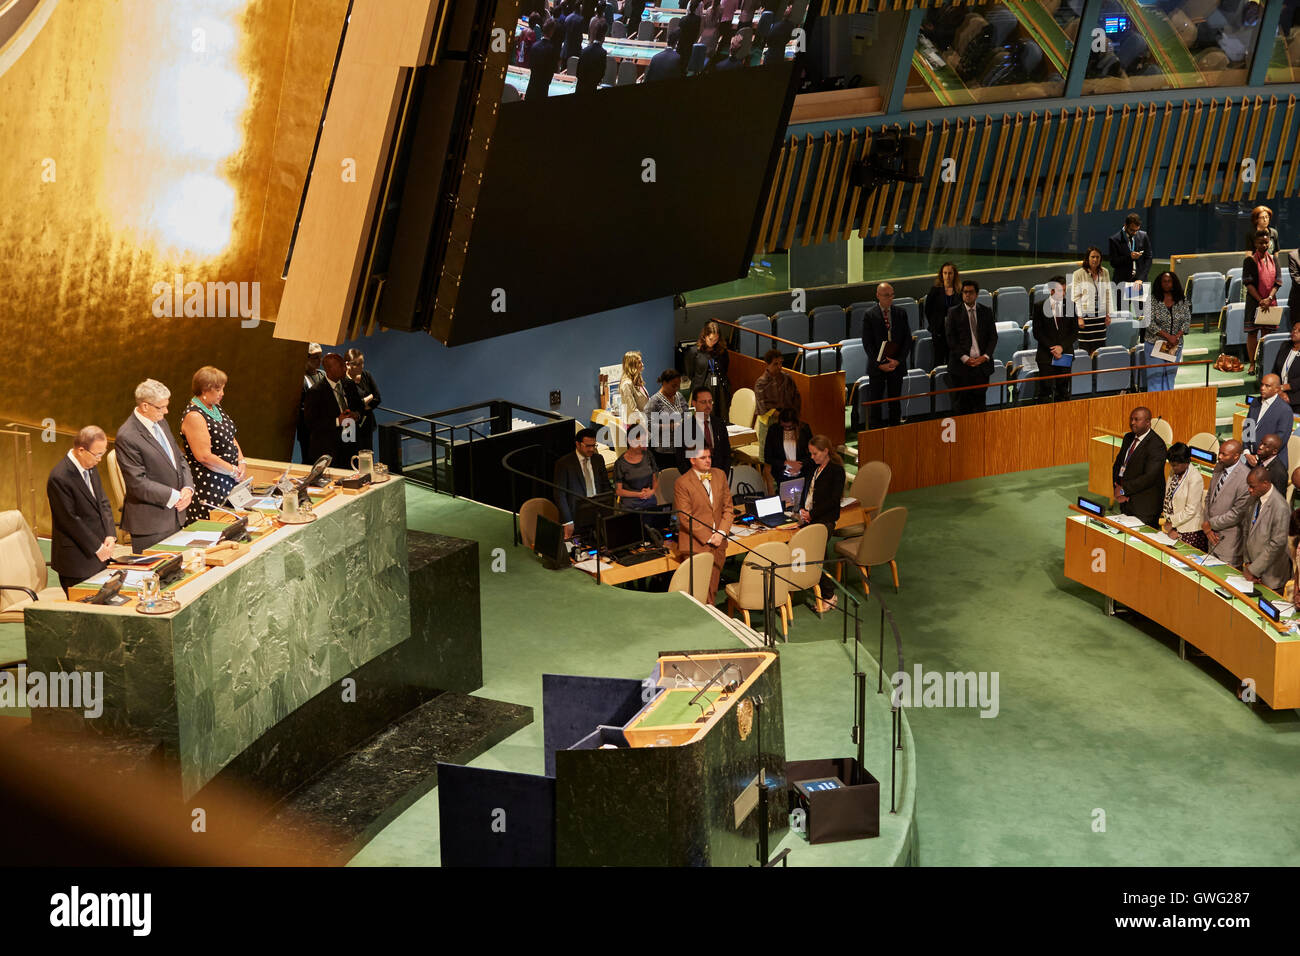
{"x":1266,"y":560}
{"x":158,"y":481}
{"x":1227,"y":503}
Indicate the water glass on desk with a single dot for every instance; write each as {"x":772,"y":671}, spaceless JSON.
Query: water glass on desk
{"x":149,"y":591}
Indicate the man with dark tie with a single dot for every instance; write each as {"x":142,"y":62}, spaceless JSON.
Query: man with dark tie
{"x":1139,"y":470}
{"x":1270,"y":414}
{"x":702,"y":503}
{"x":1130,"y":252}
{"x":1226,"y":504}
{"x":1287,"y":368}
{"x":83,"y":535}
{"x":334,"y":410}
{"x":311,"y":376}
{"x":1266,"y":560}
{"x":581,"y":474}
{"x":1056,"y":332}
{"x":158,"y":482}
{"x":704,"y":430}
{"x":886,"y":337}
{"x":972,"y":337}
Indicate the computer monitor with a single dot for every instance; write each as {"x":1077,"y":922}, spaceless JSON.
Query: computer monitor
{"x":1091,"y":507}
{"x":548,"y":542}
{"x":587,"y":513}
{"x":792,"y":492}
{"x":1203,"y":456}
{"x":767,"y":507}
{"x":1270,"y":609}
{"x":621,"y":531}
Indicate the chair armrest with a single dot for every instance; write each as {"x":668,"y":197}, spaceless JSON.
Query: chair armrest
{"x":17,"y":587}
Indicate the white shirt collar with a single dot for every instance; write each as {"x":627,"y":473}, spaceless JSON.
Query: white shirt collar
{"x":73,"y":458}
{"x":1266,"y":404}
{"x":149,"y":426}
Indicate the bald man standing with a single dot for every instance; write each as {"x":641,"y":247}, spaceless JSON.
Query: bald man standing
{"x":1266,"y":560}
{"x":1139,"y":470}
{"x":887,"y":338}
{"x":1227,"y":504}
{"x":1269,"y":415}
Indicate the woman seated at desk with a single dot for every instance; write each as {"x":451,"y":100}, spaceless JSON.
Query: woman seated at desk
{"x":821,"y":499}
{"x":1184,"y":499}
{"x":786,"y":447}
{"x":636,"y":476}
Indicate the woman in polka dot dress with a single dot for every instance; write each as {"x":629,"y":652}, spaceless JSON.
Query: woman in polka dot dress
{"x":208,"y":438}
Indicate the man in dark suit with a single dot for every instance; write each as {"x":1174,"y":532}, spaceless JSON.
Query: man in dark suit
{"x":573,"y":30}
{"x":158,"y":482}
{"x":581,"y":474}
{"x":887,"y":339}
{"x":334,"y":411}
{"x":632,"y":11}
{"x":777,"y":37}
{"x":591,"y":62}
{"x":1056,"y":332}
{"x":543,"y":59}
{"x":1287,"y":368}
{"x":310,"y":377}
{"x":83,"y":533}
{"x":732,"y":60}
{"x":1266,"y":559}
{"x":704,"y":429}
{"x":1271,"y":461}
{"x":1139,"y":470}
{"x":667,"y":64}
{"x":1130,"y":252}
{"x":689,"y":30}
{"x":1269,"y":415}
{"x":972,"y":337}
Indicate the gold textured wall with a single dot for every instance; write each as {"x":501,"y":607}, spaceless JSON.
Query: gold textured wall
{"x":145,"y":139}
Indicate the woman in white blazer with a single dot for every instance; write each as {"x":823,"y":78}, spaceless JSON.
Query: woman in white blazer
{"x":1184,"y":498}
{"x":1092,"y":293}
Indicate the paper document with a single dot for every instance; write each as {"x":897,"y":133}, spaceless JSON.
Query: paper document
{"x":1128,"y":521}
{"x":1240,"y":583}
{"x":1284,"y":608}
{"x":737,"y":429}
{"x":1162,"y":351}
{"x":132,"y":580}
{"x":188,"y":539}
{"x":1178,"y":564}
{"x":845,"y":502}
{"x":590,"y":565}
{"x":1161,"y":538}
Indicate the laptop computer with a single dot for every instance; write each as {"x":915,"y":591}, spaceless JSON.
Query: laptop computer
{"x":768,"y":511}
{"x":791,"y":494}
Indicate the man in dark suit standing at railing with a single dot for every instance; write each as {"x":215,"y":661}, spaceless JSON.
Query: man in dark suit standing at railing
{"x":972,"y":338}
{"x":1139,"y":470}
{"x":886,"y":338}
{"x":1056,"y":332}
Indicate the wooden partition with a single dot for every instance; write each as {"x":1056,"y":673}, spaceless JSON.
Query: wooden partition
{"x":823,"y":395}
{"x":997,"y":442}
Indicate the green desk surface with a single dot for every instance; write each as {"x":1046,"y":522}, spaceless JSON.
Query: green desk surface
{"x":675,"y":709}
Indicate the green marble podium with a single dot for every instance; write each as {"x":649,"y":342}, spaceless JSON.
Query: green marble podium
{"x":251,"y":643}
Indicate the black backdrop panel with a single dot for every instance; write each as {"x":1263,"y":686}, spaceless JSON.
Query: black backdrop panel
{"x":566,"y":225}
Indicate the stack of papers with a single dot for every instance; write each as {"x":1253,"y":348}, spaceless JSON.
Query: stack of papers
{"x":1128,"y":521}
{"x":737,"y":429}
{"x":1240,"y":583}
{"x":132,"y":580}
{"x":192,"y":539}
{"x":590,"y":565}
{"x":845,"y":502}
{"x":1161,"y":538}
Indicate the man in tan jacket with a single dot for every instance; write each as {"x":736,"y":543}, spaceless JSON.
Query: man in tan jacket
{"x":702,"y":503}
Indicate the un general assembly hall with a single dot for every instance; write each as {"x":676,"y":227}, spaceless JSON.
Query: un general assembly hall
{"x":463,"y":433}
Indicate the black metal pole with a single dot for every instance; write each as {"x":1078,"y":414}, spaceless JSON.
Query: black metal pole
{"x":762,"y":782}
{"x":893,"y":761}
{"x":880,"y":661}
{"x":861,"y":729}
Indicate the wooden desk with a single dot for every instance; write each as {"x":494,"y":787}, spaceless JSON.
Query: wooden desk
{"x":1136,"y":572}
{"x":618,"y":574}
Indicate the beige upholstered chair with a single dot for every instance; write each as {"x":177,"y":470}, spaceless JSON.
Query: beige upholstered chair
{"x":1205,"y":441}
{"x":22,"y":569}
{"x":810,"y":541}
{"x":870,"y":485}
{"x":697,"y":568}
{"x":667,"y":481}
{"x":744,"y":404}
{"x":877,"y":545}
{"x":747,"y":593}
{"x":528,"y":518}
{"x":1164,"y":430}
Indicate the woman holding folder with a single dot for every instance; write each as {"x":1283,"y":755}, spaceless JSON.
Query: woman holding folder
{"x":1171,"y":318}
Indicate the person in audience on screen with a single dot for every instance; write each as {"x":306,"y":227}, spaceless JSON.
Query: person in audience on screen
{"x":1266,"y":559}
{"x":785,"y":447}
{"x":727,"y":12}
{"x":600,"y":22}
{"x":82,"y":535}
{"x":570,"y":19}
{"x":705,"y":429}
{"x":632,"y":392}
{"x":632,"y":11}
{"x":543,"y":59}
{"x":1092,"y":294}
{"x":709,"y":366}
{"x":774,"y":390}
{"x":1270,"y":414}
{"x":887,"y":338}
{"x":942,"y":298}
{"x":1056,"y":333}
{"x":211,"y":449}
{"x":334,"y":414}
{"x":1184,"y":508}
{"x":1226,"y":503}
{"x":972,"y":337}
{"x":1261,"y":217}
{"x":1259,"y":281}
{"x":777,"y":38}
{"x":591,"y":62}
{"x":1139,"y":469}
{"x":710,"y":17}
{"x":667,"y":64}
{"x":1130,"y":252}
{"x":664,"y":410}
{"x":311,"y":376}
{"x":527,"y":38}
{"x":732,"y":60}
{"x":688,"y":30}
{"x":1270,"y":458}
{"x":1171,"y":319}
{"x":579,"y":474}
{"x":820,"y":503}
{"x":636,"y":476}
{"x":159,"y":486}
{"x":702,"y":503}
{"x":355,"y":369}
{"x":1287,"y":368}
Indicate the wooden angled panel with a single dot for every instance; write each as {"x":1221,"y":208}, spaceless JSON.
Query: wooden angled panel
{"x":1263,"y":147}
{"x":832,"y":181}
{"x":986,"y":134}
{"x":900,"y":189}
{"x":1284,"y":149}
{"x":855,"y":196}
{"x":1157,"y":158}
{"x":1211,"y":125}
{"x":1247,"y":148}
{"x":850,"y":157}
{"x":1140,"y":160}
{"x":805,"y":161}
{"x":949,"y":191}
{"x":1125,"y":149}
{"x":780,"y":182}
{"x":1095,"y":171}
{"x":1025,"y":170}
{"x":819,"y":181}
{"x":995,"y":174}
{"x":1236,"y":147}
{"x":1187,"y":153}
{"x":964,"y":171}
{"x":1071,"y":154}
{"x":935,"y":179}
{"x":918,"y":188}
{"x":1216,"y":154}
{"x":1167,"y":186}
{"x":1291,"y":156}
{"x":1054,"y":163}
